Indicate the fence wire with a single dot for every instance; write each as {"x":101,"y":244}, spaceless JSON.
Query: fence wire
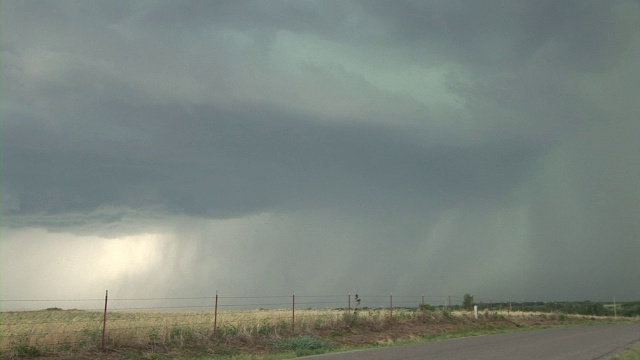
{"x":170,"y":320}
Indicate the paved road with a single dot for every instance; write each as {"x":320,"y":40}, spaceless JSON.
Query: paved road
{"x":579,"y":343}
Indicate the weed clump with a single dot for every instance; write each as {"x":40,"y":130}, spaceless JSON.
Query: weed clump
{"x":447,"y":314}
{"x":27,"y":351}
{"x":426,"y":308}
{"x":303,"y":345}
{"x":350,"y":319}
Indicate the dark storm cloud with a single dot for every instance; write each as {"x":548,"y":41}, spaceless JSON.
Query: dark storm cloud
{"x":209,"y":161}
{"x":459,"y":146}
{"x":578,"y":35}
{"x":225,"y":162}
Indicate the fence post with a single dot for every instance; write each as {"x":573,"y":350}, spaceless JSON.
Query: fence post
{"x":615,"y":312}
{"x":391,"y":305}
{"x":349,"y":302}
{"x":422,"y":299}
{"x":215,"y":317}
{"x":449,"y":302}
{"x":104,"y":320}
{"x":293,"y":312}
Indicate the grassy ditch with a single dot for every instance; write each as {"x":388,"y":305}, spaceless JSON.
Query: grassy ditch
{"x":631,"y":354}
{"x":267,"y":334}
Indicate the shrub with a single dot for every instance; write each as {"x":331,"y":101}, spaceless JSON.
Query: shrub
{"x":467,"y":303}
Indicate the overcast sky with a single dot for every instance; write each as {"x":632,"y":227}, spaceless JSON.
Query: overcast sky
{"x":176,"y":148}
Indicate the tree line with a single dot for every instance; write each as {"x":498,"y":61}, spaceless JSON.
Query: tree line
{"x":627,"y":309}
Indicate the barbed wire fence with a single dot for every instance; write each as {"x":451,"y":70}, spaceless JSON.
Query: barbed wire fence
{"x":109,"y":321}
{"x":180,"y":321}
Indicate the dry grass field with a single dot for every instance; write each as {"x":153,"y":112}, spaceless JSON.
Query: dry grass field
{"x":56,"y":332}
{"x":73,"y":329}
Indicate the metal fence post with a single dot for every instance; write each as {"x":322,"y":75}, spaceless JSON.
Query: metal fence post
{"x":293,"y":312}
{"x":215,"y":317}
{"x":104,"y":320}
{"x":391,"y":305}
